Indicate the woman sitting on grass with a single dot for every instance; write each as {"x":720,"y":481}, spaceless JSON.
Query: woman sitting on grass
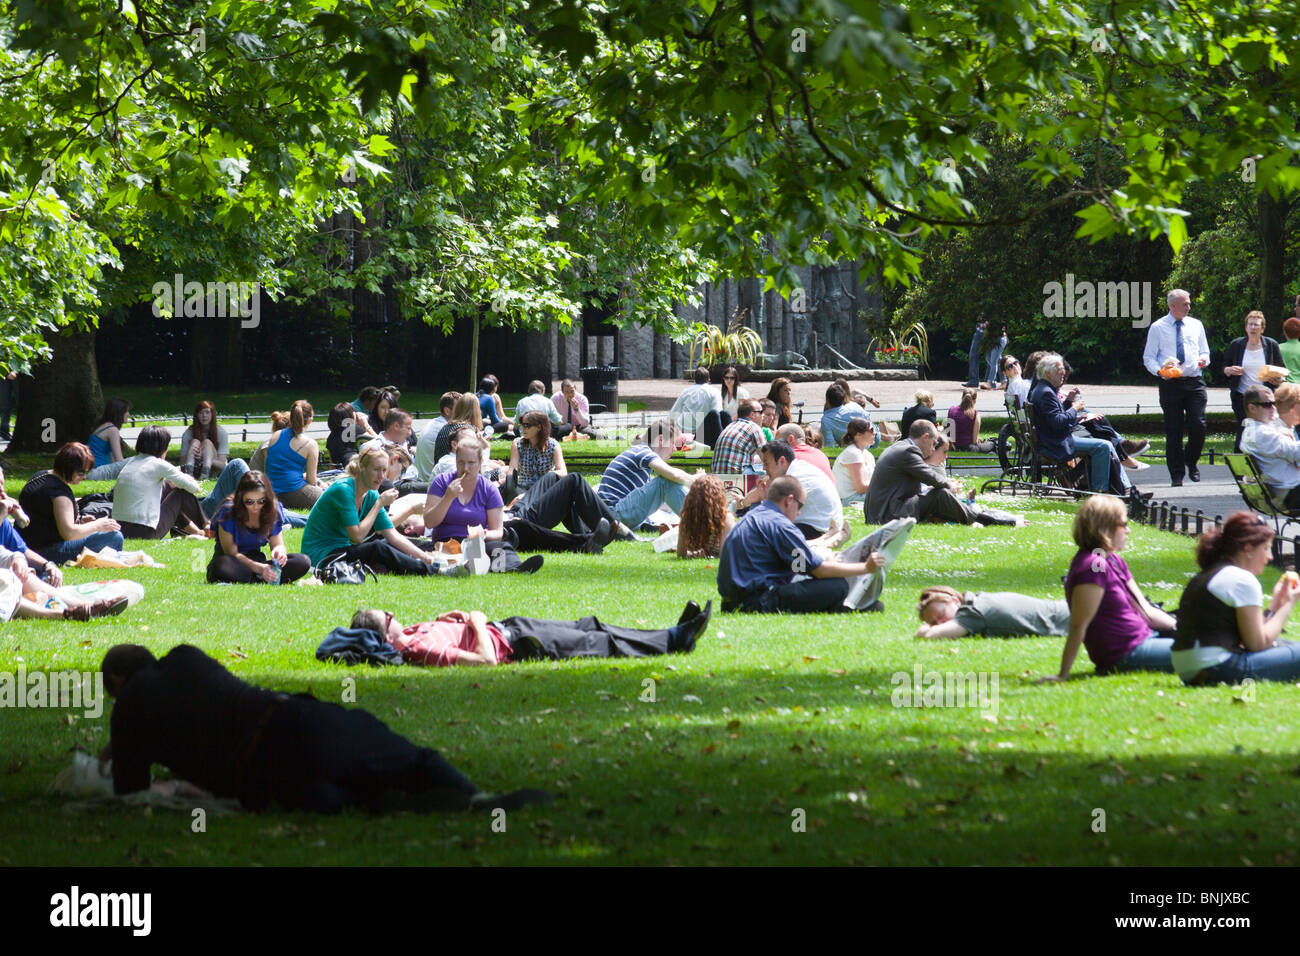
{"x":854,"y":465}
{"x":105,"y":441}
{"x":964,"y":424}
{"x":57,"y":530}
{"x":705,"y":519}
{"x":245,"y":523}
{"x":535,"y":453}
{"x":923,"y":410}
{"x":205,"y":445}
{"x":947,"y":612}
{"x":291,"y":460}
{"x":153,"y":497}
{"x":1108,"y":614}
{"x":463,"y":500}
{"x":469,"y":638}
{"x":1225,"y":634}
{"x":349,"y":521}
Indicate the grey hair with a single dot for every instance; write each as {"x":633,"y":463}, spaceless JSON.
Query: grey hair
{"x":1177,"y":294}
{"x":1047,"y":360}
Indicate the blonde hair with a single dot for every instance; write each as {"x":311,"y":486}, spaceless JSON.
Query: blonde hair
{"x":1286,"y":395}
{"x":923,"y":397}
{"x":467,"y":410}
{"x":1255,"y":314}
{"x":1096,"y":521}
{"x":362,"y":461}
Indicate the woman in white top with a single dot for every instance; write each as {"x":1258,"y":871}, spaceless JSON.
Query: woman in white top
{"x":1017,"y":384}
{"x":732,"y":393}
{"x":205,"y":445}
{"x":1225,"y":633}
{"x":152,"y":496}
{"x":853,"y":467}
{"x":1244,"y":360}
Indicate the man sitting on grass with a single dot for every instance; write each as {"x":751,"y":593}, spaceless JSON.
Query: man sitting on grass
{"x":768,"y":566}
{"x":638,"y":481}
{"x":469,"y":638}
{"x":208,"y":727}
{"x":821,"y":519}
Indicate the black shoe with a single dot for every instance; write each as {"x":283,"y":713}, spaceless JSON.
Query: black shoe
{"x":1176,"y":483}
{"x":688,"y":612}
{"x":877,"y":606}
{"x":689,"y":632}
{"x":1193,"y":473}
{"x":596,"y":541}
{"x":530,"y":565}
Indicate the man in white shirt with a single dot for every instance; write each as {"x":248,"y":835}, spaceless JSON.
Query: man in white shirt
{"x":1180,"y":338}
{"x":397,"y":428}
{"x":428,"y":441}
{"x":574,"y":410}
{"x":821,"y":519}
{"x":695,"y":402}
{"x":536,"y":401}
{"x":1272,"y":443}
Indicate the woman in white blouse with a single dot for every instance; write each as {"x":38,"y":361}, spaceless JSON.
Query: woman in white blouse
{"x":153,"y":497}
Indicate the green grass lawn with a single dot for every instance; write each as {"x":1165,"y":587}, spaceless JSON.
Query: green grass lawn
{"x":771,"y":721}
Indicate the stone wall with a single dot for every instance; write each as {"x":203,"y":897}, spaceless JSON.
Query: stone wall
{"x":832,"y":298}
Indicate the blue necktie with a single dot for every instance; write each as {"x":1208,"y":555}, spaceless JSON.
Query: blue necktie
{"x":1178,"y":332}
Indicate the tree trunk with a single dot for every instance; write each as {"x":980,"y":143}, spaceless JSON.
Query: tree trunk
{"x":61,"y":401}
{"x":216,"y":355}
{"x":473,"y":353}
{"x":1272,"y":262}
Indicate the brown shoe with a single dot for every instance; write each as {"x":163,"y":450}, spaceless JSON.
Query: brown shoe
{"x":77,"y":612}
{"x":107,"y":608}
{"x":1132,"y":449}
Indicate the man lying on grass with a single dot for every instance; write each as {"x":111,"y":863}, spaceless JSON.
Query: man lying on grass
{"x":469,"y":638}
{"x":210,"y":728}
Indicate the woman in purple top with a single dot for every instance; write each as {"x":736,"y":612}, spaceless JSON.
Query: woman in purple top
{"x":1108,"y":614}
{"x":965,"y":421}
{"x":462,"y":500}
{"x":245,"y":523}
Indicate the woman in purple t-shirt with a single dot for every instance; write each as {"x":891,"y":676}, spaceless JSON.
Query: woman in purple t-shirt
{"x":1108,"y":614}
{"x":965,"y":422}
{"x":463,"y":500}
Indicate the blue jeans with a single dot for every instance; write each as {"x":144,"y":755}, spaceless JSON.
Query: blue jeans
{"x":227,"y":481}
{"x":66,"y":551}
{"x":994,"y":356}
{"x":1099,"y":453}
{"x":856,"y":496}
{"x":646,"y":500}
{"x":1151,"y":655}
{"x":107,"y":472}
{"x":1276,"y":663}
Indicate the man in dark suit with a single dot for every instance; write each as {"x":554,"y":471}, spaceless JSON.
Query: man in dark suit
{"x":895,"y":490}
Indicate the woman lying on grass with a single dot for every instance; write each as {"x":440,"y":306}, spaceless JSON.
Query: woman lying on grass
{"x":1225,"y":634}
{"x":469,"y":638}
{"x":947,"y":612}
{"x":1108,"y":614}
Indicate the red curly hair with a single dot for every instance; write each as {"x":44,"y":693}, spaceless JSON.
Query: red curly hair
{"x":704,"y":517}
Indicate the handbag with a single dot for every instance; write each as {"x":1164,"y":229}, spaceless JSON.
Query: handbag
{"x":339,"y":570}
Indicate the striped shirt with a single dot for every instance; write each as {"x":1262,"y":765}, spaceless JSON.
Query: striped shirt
{"x":626,"y":473}
{"x":736,"y":450}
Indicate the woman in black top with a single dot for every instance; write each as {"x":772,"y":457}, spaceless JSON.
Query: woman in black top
{"x":57,"y":531}
{"x":1225,"y":634}
{"x":923,"y":410}
{"x":1254,"y":341}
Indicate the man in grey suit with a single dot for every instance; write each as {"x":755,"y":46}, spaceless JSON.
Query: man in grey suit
{"x":895,"y":490}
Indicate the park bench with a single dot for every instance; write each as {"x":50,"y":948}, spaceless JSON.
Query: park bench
{"x":1256,"y":493}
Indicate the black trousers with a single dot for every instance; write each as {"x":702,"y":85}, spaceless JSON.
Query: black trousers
{"x":560,"y":431}
{"x":178,"y":506}
{"x":1239,"y":413}
{"x":714,"y":423}
{"x":321,"y":757}
{"x":532,"y":637}
{"x":938,"y":504}
{"x":525,"y":535}
{"x":1183,"y":402}
{"x":554,"y":499}
{"x":810,"y":596}
{"x":227,"y":569}
{"x":383,"y":557}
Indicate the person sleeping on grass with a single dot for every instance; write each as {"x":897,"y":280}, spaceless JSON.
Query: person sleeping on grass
{"x":946,"y":612}
{"x":468,"y":638}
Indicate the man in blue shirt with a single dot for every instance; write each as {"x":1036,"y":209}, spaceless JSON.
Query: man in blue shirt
{"x":840,"y":410}
{"x":1178,"y":340}
{"x":767,"y":566}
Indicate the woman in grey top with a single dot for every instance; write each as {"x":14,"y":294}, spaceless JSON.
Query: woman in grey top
{"x":947,"y":612}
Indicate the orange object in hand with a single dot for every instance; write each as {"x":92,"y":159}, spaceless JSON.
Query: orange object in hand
{"x":1292,"y":579}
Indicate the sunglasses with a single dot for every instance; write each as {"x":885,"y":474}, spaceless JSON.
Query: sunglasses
{"x":254,"y":502}
{"x":799,"y":503}
{"x":1264,"y":404}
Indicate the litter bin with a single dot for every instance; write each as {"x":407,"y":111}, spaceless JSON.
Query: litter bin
{"x":600,"y":385}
